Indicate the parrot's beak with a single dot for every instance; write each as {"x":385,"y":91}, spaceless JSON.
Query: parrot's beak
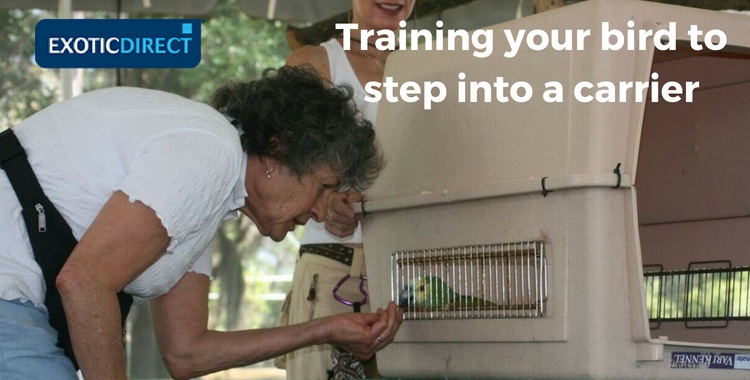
{"x":406,"y":298}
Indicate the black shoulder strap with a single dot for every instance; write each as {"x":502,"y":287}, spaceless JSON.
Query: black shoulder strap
{"x":51,"y":238}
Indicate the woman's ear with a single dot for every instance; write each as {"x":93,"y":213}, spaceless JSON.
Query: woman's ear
{"x":268,"y":164}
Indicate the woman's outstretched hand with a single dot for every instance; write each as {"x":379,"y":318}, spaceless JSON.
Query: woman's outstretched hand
{"x":363,"y":334}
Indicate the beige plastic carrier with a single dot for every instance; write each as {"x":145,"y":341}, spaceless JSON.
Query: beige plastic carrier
{"x":605,"y":240}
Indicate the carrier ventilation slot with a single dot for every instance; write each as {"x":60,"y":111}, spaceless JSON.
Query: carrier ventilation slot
{"x":479,"y":281}
{"x":706,"y":295}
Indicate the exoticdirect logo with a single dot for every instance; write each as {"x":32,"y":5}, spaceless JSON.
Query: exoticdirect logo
{"x":131,"y":43}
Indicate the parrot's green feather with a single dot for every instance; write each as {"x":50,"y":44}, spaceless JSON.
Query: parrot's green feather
{"x":430,"y":292}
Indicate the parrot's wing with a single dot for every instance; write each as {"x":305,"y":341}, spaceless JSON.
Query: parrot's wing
{"x":432,"y":293}
{"x":467,"y":302}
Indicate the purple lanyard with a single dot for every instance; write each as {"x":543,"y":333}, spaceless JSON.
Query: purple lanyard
{"x":361,"y":289}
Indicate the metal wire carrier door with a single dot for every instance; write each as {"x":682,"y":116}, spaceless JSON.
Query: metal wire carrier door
{"x":507,"y":280}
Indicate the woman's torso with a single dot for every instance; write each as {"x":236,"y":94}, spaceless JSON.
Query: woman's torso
{"x":84,"y":149}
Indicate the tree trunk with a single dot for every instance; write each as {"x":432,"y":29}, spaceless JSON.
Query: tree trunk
{"x":229,"y":273}
{"x":145,"y":358}
{"x":235,"y":243}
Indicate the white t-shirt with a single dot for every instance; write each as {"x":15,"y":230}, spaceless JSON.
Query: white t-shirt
{"x":179,"y":157}
{"x":341,"y":73}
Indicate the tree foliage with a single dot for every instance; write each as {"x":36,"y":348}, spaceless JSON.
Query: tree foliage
{"x":233,"y":47}
{"x":24,"y":87}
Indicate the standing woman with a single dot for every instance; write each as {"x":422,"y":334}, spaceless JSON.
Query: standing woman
{"x":332,"y":250}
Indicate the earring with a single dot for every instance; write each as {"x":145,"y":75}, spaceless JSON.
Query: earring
{"x":268,"y":172}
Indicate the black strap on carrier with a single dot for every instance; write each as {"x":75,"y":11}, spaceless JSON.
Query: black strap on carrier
{"x":51,"y":238}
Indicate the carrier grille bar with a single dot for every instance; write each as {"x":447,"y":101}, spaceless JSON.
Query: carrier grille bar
{"x":506,"y":280}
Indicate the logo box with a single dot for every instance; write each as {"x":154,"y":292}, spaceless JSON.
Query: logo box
{"x":128,"y":43}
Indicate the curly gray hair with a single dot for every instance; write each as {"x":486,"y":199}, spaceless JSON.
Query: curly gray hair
{"x":292,"y":115}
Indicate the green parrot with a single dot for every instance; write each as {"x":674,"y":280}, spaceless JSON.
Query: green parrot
{"x":430,"y":292}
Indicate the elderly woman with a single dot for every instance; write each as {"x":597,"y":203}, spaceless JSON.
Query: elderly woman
{"x":143,"y":178}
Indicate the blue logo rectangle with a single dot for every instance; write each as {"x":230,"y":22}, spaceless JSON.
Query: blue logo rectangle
{"x":131,"y":43}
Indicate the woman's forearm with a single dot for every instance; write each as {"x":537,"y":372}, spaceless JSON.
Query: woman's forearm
{"x":189,"y":349}
{"x":216,"y":351}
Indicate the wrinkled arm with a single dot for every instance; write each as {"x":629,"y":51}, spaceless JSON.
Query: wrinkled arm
{"x":124,"y":239}
{"x":190,"y":349}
